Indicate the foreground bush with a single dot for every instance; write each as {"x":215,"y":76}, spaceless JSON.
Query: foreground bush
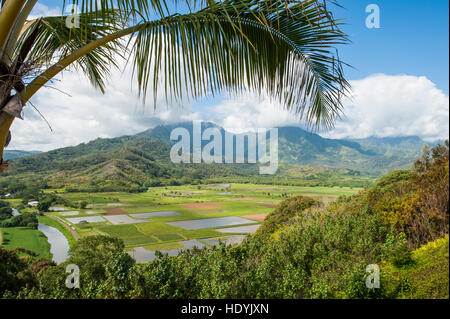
{"x":426,"y":277}
{"x":416,"y":202}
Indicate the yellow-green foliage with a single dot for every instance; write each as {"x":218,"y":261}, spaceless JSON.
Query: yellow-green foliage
{"x":426,"y":277}
{"x":397,"y":211}
{"x":285,"y":211}
{"x":416,"y":202}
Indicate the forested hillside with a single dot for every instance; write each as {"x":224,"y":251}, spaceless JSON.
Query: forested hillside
{"x":299,"y":147}
{"x":134,"y":163}
{"x":129,"y":163}
{"x":13,"y":154}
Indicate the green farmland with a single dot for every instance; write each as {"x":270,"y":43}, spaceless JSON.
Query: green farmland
{"x":129,"y":216}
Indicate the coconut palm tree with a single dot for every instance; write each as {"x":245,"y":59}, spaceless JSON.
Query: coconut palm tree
{"x":283,"y":48}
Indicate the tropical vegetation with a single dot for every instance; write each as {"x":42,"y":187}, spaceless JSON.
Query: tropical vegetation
{"x":281,"y":47}
{"x":303,"y":250}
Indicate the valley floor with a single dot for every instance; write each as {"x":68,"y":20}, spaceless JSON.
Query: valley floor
{"x":173,"y":218}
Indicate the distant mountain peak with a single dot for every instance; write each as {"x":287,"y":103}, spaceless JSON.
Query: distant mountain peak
{"x":13,"y":154}
{"x":138,"y":160}
{"x":405,"y":142}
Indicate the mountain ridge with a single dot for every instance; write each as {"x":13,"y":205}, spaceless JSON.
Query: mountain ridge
{"x":298,"y":146}
{"x":13,"y":154}
{"x":135,"y":162}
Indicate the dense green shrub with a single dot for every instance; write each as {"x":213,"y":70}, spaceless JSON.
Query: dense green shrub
{"x":44,"y":204}
{"x":416,"y":202}
{"x":18,"y":273}
{"x":25,"y":219}
{"x":5,"y":210}
{"x":396,"y":250}
{"x":286,"y":210}
{"x":426,"y":277}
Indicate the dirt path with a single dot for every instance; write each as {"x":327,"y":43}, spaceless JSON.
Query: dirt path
{"x":0,"y":238}
{"x":74,"y":234}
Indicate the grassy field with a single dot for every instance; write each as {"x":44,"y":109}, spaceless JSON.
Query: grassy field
{"x":193,"y":193}
{"x":31,"y":239}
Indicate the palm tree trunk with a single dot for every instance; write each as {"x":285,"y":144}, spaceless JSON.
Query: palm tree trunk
{"x":6,"y":119}
{"x":8,"y":20}
{"x":5,"y":123}
{"x":17,"y":30}
{"x":13,"y":106}
{"x":8,"y":16}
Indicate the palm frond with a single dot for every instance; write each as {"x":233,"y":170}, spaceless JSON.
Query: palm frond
{"x":54,"y":41}
{"x":285,"y":49}
{"x":134,"y":9}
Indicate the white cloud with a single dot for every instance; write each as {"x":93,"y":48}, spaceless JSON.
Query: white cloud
{"x":381,"y":105}
{"x":403,"y":105}
{"x":41,"y":10}
{"x":87,"y":114}
{"x":250,"y":111}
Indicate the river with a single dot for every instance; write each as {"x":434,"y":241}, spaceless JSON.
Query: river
{"x":59,"y":245}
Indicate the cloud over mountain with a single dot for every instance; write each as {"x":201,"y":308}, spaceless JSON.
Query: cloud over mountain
{"x":381,"y":105}
{"x":403,"y":105}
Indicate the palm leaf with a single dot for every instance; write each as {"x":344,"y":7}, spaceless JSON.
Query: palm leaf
{"x":284,"y":49}
{"x":54,"y":41}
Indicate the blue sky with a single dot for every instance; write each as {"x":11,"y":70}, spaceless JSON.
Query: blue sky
{"x":400,"y":87}
{"x":413,"y":39}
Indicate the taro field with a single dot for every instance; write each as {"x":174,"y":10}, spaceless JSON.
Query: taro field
{"x":172,"y":218}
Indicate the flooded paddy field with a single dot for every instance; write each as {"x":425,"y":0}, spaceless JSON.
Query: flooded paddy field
{"x":211,"y":222}
{"x":176,"y":218}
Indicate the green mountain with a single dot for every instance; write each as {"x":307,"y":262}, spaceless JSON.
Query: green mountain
{"x":128,"y":163}
{"x":299,"y":147}
{"x":133,"y":163}
{"x":404,"y":142}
